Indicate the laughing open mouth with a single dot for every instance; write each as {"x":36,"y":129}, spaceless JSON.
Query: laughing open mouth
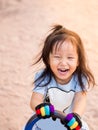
{"x":63,"y":70}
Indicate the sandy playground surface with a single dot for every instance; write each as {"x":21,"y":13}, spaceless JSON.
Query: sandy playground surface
{"x":23,"y":25}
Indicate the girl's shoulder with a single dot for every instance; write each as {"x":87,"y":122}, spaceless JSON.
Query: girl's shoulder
{"x":40,"y":78}
{"x":38,"y":73}
{"x":78,"y":86}
{"x":84,"y":79}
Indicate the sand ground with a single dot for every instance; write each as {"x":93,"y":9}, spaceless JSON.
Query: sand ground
{"x":23,"y":25}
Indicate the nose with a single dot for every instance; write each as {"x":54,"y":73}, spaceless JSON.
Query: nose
{"x":64,"y":61}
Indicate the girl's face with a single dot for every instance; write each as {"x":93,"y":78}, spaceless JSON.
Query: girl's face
{"x":63,"y":61}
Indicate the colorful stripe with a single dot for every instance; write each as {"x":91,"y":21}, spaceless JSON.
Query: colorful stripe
{"x":42,"y":111}
{"x":77,"y":128}
{"x":51,"y":109}
{"x":74,"y":125}
{"x":71,"y":122}
{"x":38,"y":112}
{"x":47,"y":110}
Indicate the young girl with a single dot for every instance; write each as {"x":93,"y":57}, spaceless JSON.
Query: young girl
{"x":65,"y":80}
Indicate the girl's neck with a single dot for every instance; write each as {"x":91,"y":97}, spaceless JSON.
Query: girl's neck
{"x":62,"y":82}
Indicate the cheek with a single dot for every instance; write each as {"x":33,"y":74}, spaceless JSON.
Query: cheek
{"x":53,"y":62}
{"x":53,"y":65}
{"x":74,"y":63}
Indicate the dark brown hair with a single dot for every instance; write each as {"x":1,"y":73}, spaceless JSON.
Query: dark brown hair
{"x":58,"y":35}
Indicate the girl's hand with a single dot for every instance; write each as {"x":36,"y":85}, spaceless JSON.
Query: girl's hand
{"x":72,"y":121}
{"x":44,"y":110}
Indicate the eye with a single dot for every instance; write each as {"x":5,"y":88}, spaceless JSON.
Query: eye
{"x":57,"y":56}
{"x":70,"y":57}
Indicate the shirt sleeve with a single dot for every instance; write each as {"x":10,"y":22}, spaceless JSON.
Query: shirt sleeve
{"x":38,"y":88}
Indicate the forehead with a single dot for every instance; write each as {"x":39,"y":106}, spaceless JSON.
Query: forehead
{"x":65,"y":46}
